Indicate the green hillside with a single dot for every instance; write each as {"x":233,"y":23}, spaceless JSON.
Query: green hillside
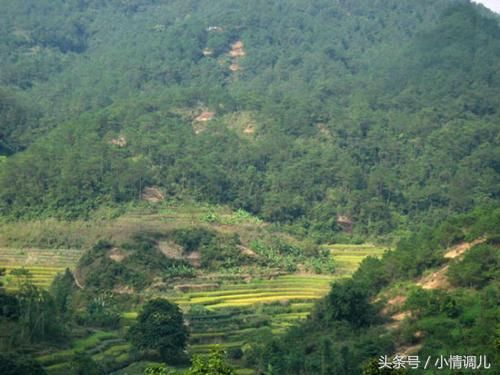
{"x":231,"y":304}
{"x":344,"y":108}
{"x":434,"y":295}
{"x":269,"y":187}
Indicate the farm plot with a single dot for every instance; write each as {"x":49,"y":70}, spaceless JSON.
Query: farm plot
{"x":233,"y":313}
{"x":43,"y":264}
{"x":104,"y":347}
{"x":230,"y":314}
{"x":348,"y":257}
{"x":285,"y":289}
{"x":238,"y":313}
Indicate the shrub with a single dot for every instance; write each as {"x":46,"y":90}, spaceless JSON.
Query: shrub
{"x":479,"y":266}
{"x":160,"y":327}
{"x":214,"y":364}
{"x":83,"y":364}
{"x":193,"y":238}
{"x":13,"y":364}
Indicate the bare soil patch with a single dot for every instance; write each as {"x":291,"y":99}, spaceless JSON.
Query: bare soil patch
{"x":194,"y":258}
{"x":323,"y":130}
{"x":153,"y":195}
{"x":243,"y":122}
{"x":248,"y":252}
{"x":237,"y":49}
{"x":205,"y":116}
{"x":123,"y":290}
{"x":234,"y":67}
{"x":121,"y":141}
{"x":461,"y":248}
{"x":400,"y":316}
{"x":436,"y":280}
{"x":171,"y":250}
{"x":117,"y":255}
{"x":208,"y":52}
{"x":394,"y":304}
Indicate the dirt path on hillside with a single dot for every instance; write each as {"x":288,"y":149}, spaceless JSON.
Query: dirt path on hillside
{"x":461,"y":248}
{"x":435,"y":280}
{"x":77,"y":282}
{"x":438,"y":279}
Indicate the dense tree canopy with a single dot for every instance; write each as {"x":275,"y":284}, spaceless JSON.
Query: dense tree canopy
{"x":383,"y":112}
{"x":336,"y":120}
{"x":160,"y":327}
{"x":347,"y":333}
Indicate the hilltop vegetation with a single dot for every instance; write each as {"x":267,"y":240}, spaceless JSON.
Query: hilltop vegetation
{"x":341,"y":121}
{"x":386,"y":309}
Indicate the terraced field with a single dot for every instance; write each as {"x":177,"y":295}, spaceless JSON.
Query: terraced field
{"x":286,"y":289}
{"x":239,"y":312}
{"x":348,"y":257}
{"x":103,"y":346}
{"x":42,"y":264}
{"x":230,"y":317}
{"x":232,"y":314}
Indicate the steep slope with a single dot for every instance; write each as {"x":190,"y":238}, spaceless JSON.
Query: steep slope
{"x":381,"y":112}
{"x":73,"y":56}
{"x":380,"y":312}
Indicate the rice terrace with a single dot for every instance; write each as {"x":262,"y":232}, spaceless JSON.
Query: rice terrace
{"x":226,"y":309}
{"x":38,"y":265}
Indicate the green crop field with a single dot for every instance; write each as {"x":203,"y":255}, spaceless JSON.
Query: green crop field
{"x":100,"y":345}
{"x":234,"y":312}
{"x":239,"y":312}
{"x":284,"y":289}
{"x":348,"y":257}
{"x":43,"y":264}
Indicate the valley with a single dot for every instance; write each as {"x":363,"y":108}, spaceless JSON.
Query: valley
{"x":228,"y":309}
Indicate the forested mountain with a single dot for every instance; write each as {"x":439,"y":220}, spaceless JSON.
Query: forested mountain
{"x":385,"y":112}
{"x":214,"y":153}
{"x":395,"y":305}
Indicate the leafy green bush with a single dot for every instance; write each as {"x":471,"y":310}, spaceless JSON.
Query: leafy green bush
{"x":193,"y":238}
{"x":276,"y":252}
{"x":160,"y":327}
{"x":157,"y":369}
{"x":350,"y":301}
{"x":142,"y":262}
{"x":424,"y":303}
{"x":216,"y":250}
{"x":222,"y":252}
{"x":102,"y":311}
{"x":214,"y":364}
{"x":13,"y":364}
{"x":83,"y":364}
{"x":480,"y":266}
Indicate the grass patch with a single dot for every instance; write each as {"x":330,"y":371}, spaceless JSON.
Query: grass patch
{"x":43,"y":264}
{"x":348,"y":257}
{"x":115,"y":351}
{"x":56,"y":358}
{"x":93,"y":340}
{"x":59,"y":369}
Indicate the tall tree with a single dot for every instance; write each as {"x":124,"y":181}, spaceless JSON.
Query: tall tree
{"x":160,"y":327}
